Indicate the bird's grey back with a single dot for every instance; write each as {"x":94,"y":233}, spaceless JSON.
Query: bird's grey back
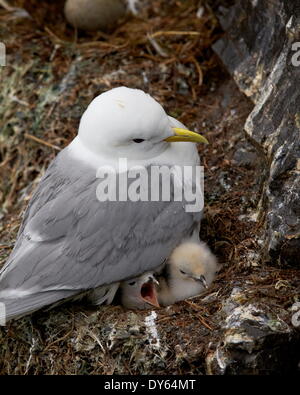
{"x":69,"y":241}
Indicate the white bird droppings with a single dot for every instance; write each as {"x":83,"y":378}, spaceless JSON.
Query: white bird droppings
{"x":151,"y":329}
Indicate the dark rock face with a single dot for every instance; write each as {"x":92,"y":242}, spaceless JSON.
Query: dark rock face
{"x":255,"y":340}
{"x":260,"y":52}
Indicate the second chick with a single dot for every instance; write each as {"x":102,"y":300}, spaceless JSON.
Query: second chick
{"x":189,"y":271}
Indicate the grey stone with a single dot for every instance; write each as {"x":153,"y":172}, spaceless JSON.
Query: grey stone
{"x":245,"y":155}
{"x":257,"y":49}
{"x":254,"y":341}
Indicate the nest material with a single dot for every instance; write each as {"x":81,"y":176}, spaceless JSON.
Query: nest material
{"x":50,"y":77}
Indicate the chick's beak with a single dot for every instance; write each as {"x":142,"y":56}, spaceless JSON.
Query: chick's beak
{"x":201,"y":279}
{"x":186,"y":135}
{"x":148,"y":292}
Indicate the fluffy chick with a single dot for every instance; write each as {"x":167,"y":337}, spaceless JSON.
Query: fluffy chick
{"x":190,"y":270}
{"x":139,"y":292}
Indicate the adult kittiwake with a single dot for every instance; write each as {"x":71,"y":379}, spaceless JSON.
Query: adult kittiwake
{"x":81,"y":234}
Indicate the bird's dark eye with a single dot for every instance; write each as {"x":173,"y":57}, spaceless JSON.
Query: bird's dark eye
{"x":138,"y":140}
{"x":181,"y":271}
{"x":132,"y":283}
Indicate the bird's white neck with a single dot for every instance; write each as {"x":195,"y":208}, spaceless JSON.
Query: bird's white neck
{"x":179,"y":154}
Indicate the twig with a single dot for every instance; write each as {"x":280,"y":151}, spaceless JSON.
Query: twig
{"x":204,"y":322}
{"x":50,"y":32}
{"x":4,"y":246}
{"x":157,"y":47}
{"x":198,"y":67}
{"x":58,"y":340}
{"x":201,"y":319}
{"x":174,"y":33}
{"x":103,"y":44}
{"x":164,"y":319}
{"x":36,"y":139}
{"x":6,"y":6}
{"x":92,"y":334}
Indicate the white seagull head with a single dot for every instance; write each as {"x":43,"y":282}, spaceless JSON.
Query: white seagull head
{"x":126,"y":122}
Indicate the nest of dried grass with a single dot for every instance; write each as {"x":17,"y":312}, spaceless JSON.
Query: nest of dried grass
{"x":50,"y":77}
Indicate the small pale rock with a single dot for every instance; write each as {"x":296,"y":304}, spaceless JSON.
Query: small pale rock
{"x":94,"y":14}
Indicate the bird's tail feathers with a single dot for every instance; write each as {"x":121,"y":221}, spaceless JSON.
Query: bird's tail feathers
{"x":12,"y":308}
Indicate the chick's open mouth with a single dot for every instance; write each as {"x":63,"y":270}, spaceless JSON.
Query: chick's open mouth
{"x":148,"y":293}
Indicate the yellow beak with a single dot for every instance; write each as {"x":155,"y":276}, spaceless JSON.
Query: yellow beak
{"x":186,"y":135}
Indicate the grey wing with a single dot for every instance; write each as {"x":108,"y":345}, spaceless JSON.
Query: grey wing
{"x":53,"y":182}
{"x":71,"y":242}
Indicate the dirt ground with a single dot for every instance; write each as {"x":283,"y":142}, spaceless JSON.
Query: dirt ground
{"x":52,"y":73}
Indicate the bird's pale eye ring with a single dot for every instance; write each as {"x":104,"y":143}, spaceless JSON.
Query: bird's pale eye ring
{"x":138,"y":140}
{"x":132,"y":283}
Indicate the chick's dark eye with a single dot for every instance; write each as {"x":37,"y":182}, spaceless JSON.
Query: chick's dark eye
{"x":132,"y":283}
{"x":138,"y":140}
{"x":181,"y":271}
